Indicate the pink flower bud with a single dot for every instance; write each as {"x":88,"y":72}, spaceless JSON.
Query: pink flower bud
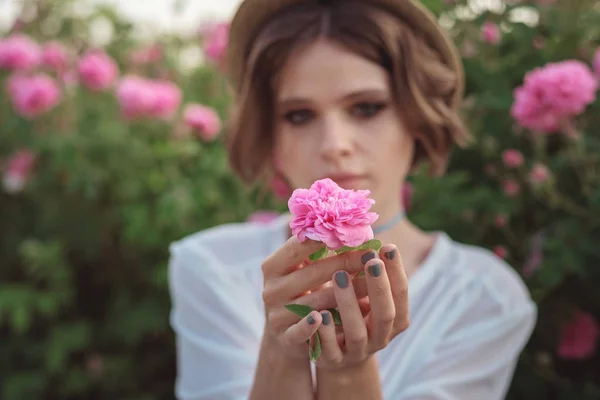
{"x":203,"y":120}
{"x":500,"y":220}
{"x":215,"y":45}
{"x":512,"y":158}
{"x":19,"y":52}
{"x":18,"y":170}
{"x":55,"y":56}
{"x":511,"y":188}
{"x":97,"y":70}
{"x":33,"y":95}
{"x":490,"y":33}
{"x":500,"y":251}
{"x":539,"y":174}
{"x":579,"y":337}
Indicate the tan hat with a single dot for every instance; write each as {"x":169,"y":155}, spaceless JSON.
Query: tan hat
{"x":254,"y":14}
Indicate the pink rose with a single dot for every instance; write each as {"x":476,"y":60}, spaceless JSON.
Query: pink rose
{"x":263,"y":217}
{"x":512,"y":158}
{"x":167,"y":98}
{"x":19,"y":52}
{"x":500,"y":251}
{"x":552,"y":94}
{"x":578,"y":337}
{"x":281,"y":190}
{"x":329,"y":214}
{"x":490,"y":33}
{"x":539,"y":174}
{"x":144,"y":98}
{"x":511,"y":187}
{"x":17,"y":171}
{"x":215,"y":42}
{"x":407,"y":194}
{"x":146,"y":55}
{"x":97,"y":70}
{"x":55,"y":56}
{"x":500,"y":220}
{"x":203,"y":120}
{"x":33,"y":95}
{"x":535,"y":256}
{"x":596,"y":63}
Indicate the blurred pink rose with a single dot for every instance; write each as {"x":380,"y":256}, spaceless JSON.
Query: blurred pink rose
{"x":167,"y":98}
{"x":139,"y":97}
{"x":539,"y":174}
{"x":500,"y":220}
{"x":578,"y":337}
{"x":500,"y":251}
{"x":203,"y":120}
{"x":146,"y":55}
{"x":33,"y":95}
{"x":596,"y":63}
{"x":535,"y":256}
{"x":512,"y":158}
{"x":215,"y":42}
{"x":490,"y":32}
{"x":330,"y":214}
{"x":19,"y":52}
{"x":511,"y":187}
{"x":281,"y":190}
{"x":97,"y":70}
{"x":263,"y":217}
{"x":55,"y":56}
{"x":490,"y":170}
{"x":407,"y":194}
{"x":552,"y":94}
{"x":17,"y":171}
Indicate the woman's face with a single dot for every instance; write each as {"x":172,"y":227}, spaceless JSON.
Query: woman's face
{"x":335,"y":117}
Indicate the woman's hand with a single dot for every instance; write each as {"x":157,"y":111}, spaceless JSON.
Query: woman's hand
{"x":287,"y":279}
{"x":369,"y":324}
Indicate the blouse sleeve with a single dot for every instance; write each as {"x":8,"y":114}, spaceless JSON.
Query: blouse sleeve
{"x":217,"y":326}
{"x":476,"y":356}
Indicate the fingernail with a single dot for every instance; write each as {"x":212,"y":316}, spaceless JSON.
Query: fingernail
{"x":341,"y":279}
{"x":326,"y":317}
{"x":367,"y":256}
{"x":311,"y":320}
{"x":375,"y":270}
{"x":391,"y":254}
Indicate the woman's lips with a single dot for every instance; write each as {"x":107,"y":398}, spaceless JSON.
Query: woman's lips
{"x":348,"y":181}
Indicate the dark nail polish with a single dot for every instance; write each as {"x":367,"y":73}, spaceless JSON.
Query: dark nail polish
{"x":367,"y":256}
{"x":391,"y":254}
{"x":341,"y":279}
{"x":326,"y":318}
{"x":375,"y":270}
{"x":310,"y":319}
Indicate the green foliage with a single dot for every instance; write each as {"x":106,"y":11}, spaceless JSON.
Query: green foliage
{"x":84,"y":302}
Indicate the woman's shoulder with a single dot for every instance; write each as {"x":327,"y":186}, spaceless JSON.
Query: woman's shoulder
{"x":231,"y":243}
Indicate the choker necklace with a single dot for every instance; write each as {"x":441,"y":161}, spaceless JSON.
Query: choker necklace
{"x":390,"y":223}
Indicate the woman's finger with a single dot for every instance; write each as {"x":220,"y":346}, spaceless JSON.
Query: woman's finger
{"x":289,"y":256}
{"x":329,"y":343}
{"x":398,"y":284}
{"x":355,"y":331}
{"x":381,"y":318}
{"x":324,"y":297}
{"x":303,"y":330}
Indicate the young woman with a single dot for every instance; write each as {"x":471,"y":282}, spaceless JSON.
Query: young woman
{"x":359,"y":91}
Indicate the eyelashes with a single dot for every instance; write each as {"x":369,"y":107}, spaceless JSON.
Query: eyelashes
{"x":361,"y":111}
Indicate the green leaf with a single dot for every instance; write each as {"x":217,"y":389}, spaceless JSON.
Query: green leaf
{"x":319,"y":254}
{"x":315,"y":353}
{"x":337,"y":318}
{"x":299,"y":309}
{"x":373,"y":244}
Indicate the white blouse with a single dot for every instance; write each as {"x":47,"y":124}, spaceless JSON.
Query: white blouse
{"x":471,"y":315}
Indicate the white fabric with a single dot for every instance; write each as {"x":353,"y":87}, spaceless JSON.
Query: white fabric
{"x":470,"y":314}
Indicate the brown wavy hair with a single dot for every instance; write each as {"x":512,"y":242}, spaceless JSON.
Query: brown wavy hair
{"x":423,"y":86}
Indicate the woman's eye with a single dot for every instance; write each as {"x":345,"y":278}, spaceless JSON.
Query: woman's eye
{"x":367,"y":110}
{"x":298,"y":117}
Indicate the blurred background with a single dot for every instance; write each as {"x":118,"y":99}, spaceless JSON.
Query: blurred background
{"x":111,"y":116}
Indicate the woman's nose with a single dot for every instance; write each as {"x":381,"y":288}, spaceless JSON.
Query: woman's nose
{"x":336,"y":134}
